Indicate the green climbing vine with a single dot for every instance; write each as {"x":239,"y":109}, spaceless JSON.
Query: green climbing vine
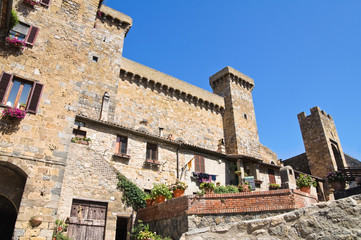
{"x":132,"y":195}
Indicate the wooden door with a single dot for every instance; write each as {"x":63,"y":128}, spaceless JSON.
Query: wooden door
{"x":87,"y":220}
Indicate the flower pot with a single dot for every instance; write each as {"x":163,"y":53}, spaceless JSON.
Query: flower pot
{"x":337,"y":186}
{"x":36,"y":221}
{"x":306,"y":189}
{"x":160,"y":199}
{"x":178,"y":192}
{"x":245,"y":188}
{"x":150,"y":202}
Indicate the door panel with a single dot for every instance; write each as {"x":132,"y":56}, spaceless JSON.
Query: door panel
{"x":87,"y":220}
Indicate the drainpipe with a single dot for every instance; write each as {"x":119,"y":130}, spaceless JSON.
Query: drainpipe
{"x":178,"y":162}
{"x":180,"y":146}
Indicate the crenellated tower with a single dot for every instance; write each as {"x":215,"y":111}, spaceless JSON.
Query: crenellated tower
{"x":322,"y":145}
{"x":239,"y":119}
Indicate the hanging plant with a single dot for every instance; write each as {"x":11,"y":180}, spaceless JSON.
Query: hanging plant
{"x":14,"y":19}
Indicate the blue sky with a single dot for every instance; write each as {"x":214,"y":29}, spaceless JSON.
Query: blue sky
{"x":301,"y":54}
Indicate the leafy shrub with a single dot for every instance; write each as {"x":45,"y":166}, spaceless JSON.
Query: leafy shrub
{"x":220,"y":189}
{"x":207,"y":185}
{"x":232,"y":189}
{"x":141,"y":232}
{"x":132,"y":195}
{"x":274,"y":185}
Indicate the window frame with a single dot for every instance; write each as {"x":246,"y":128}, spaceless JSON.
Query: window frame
{"x":33,"y":99}
{"x":199,"y":164}
{"x":120,"y":145}
{"x":31,"y":35}
{"x":152,"y":153}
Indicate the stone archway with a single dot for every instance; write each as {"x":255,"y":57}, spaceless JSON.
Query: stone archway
{"x":12,"y":183}
{"x":337,"y":155}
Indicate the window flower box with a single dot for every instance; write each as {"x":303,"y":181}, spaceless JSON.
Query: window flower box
{"x":15,"y":42}
{"x":84,"y":141}
{"x":32,"y":2}
{"x":13,"y":113}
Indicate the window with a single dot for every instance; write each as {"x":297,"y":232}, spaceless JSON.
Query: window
{"x":121,"y":145}
{"x":19,"y":93}
{"x":199,"y":163}
{"x":45,"y":3}
{"x":271,"y":176}
{"x":24,"y":32}
{"x":152,"y":152}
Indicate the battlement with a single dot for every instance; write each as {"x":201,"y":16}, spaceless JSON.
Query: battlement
{"x":234,"y":75}
{"x":149,"y":77}
{"x":315,"y":111}
{"x":120,"y":20}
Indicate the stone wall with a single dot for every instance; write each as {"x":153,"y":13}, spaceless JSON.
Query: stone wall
{"x":62,"y":60}
{"x":328,"y":220}
{"x":149,"y":100}
{"x":90,"y":177}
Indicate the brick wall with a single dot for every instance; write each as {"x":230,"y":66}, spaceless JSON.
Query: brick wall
{"x":266,"y":201}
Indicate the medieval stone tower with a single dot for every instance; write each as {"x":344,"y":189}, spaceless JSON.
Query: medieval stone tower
{"x":239,"y":120}
{"x":322,"y":145}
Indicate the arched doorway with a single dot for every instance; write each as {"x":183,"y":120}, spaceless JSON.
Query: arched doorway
{"x":337,"y":155}
{"x":8,"y":216}
{"x":12,"y":183}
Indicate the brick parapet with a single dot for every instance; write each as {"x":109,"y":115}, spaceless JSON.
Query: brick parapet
{"x":245,"y":202}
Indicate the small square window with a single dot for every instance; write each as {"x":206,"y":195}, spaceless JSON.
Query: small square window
{"x":152,"y":152}
{"x":199,"y":164}
{"x":121,"y":145}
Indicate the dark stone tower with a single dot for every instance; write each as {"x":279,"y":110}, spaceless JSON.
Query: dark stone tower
{"x":322,"y":145}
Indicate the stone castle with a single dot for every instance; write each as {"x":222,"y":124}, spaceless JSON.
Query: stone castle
{"x":75,"y":86}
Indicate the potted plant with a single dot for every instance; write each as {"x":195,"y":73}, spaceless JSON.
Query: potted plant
{"x":178,"y":188}
{"x":149,"y":199}
{"x":161,"y":192}
{"x":274,"y":186}
{"x":245,"y":187}
{"x":60,"y":230}
{"x":208,"y":187}
{"x":304,"y":183}
{"x":337,"y":180}
{"x":13,"y":113}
